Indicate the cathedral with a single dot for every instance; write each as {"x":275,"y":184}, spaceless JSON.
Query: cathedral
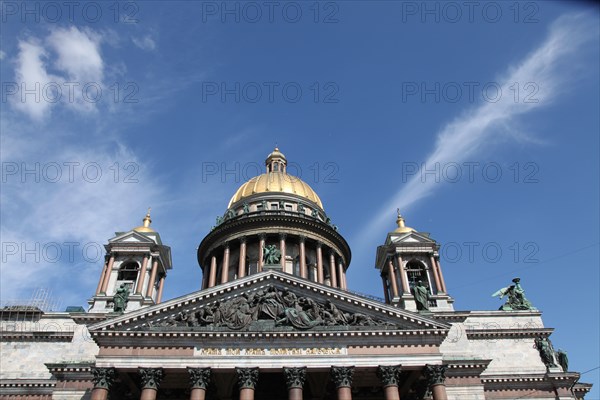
{"x":274,"y":319}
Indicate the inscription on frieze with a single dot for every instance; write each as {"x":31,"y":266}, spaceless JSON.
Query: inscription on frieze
{"x":310,"y":351}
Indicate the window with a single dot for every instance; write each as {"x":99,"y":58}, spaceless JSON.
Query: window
{"x":128,"y":271}
{"x":416,"y":272}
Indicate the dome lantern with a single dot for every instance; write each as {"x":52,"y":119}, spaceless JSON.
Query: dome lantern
{"x":276,"y":161}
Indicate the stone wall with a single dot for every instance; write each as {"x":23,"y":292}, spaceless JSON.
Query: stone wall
{"x":27,"y":346}
{"x":487,"y":335}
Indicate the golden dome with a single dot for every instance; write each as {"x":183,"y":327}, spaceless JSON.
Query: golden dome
{"x":402,"y":228}
{"x":146,"y":226}
{"x":276,"y":180}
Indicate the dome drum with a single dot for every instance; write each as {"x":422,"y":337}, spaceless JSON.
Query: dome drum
{"x":275,"y":223}
{"x":230,"y":266}
{"x":274,"y":204}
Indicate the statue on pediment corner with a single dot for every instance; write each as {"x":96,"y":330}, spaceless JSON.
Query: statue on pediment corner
{"x":516,"y":299}
{"x":563,"y":359}
{"x":546,"y":351}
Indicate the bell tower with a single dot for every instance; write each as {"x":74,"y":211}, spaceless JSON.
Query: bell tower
{"x":411,"y":272}
{"x":135,"y":268}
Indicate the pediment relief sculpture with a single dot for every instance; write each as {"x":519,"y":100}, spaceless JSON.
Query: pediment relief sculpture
{"x":268,"y":308}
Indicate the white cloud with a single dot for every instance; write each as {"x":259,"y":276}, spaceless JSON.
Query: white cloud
{"x":2,"y":55}
{"x":145,"y":43}
{"x":75,"y":56}
{"x":78,"y":54}
{"x":549,"y":68}
{"x":31,"y":75}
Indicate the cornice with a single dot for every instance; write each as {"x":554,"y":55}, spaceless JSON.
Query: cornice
{"x":35,"y":336}
{"x":508,"y":333}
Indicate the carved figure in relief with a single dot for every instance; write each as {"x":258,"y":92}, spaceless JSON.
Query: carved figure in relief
{"x":281,"y":307}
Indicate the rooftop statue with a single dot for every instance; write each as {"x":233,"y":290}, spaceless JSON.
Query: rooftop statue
{"x":516,"y":297}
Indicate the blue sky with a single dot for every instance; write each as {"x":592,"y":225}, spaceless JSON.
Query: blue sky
{"x":481,"y":124}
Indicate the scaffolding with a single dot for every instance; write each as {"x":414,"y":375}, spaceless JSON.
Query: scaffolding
{"x":41,"y":301}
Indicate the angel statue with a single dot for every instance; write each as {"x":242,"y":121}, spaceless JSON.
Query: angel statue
{"x":272,"y":255}
{"x":516,"y":297}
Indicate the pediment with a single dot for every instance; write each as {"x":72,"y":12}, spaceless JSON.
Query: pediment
{"x":270,"y":301}
{"x":411,"y":237}
{"x":131,"y":237}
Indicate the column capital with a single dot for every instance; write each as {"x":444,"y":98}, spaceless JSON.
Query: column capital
{"x":282,"y":236}
{"x":319,"y":244}
{"x":103,"y":377}
{"x":262,"y":236}
{"x":435,"y":374}
{"x":389,"y":375}
{"x":342,"y":376}
{"x":199,"y":377}
{"x":294,"y":377}
{"x":301,"y":239}
{"x":226,"y":245}
{"x":247,"y":377}
{"x":151,"y":377}
{"x":243,"y":239}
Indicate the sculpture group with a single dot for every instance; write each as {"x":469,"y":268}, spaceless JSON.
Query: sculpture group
{"x":269,"y":307}
{"x":272,"y":255}
{"x":516,"y":297}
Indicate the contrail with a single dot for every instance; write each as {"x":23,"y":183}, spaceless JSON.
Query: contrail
{"x":546,"y":70}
